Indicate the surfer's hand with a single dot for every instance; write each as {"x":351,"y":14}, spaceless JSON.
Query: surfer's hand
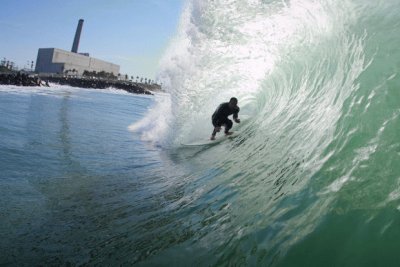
{"x":237,"y":120}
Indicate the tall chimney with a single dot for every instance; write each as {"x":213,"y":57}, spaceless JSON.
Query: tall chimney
{"x":77,"y":37}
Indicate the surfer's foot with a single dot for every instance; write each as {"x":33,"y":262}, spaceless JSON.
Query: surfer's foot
{"x":212,"y":137}
{"x":228,"y":133}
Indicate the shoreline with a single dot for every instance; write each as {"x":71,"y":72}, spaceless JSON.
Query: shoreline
{"x":22,"y":79}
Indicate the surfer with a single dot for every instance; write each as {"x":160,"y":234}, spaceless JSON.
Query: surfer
{"x":220,"y":117}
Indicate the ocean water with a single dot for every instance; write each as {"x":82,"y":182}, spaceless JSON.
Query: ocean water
{"x":312,"y":179}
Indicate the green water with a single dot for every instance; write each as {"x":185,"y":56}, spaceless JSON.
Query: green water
{"x":313,"y":178}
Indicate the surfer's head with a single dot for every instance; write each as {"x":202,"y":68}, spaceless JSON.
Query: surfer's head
{"x":233,"y":102}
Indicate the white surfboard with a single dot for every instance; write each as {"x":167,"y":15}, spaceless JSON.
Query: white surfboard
{"x":207,"y":142}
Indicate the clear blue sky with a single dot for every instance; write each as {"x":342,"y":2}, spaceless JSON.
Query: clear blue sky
{"x":130,"y":33}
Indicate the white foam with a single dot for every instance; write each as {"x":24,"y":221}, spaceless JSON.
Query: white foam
{"x":155,"y":125}
{"x":56,"y":89}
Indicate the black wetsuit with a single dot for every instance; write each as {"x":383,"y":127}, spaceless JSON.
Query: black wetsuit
{"x":220,"y":116}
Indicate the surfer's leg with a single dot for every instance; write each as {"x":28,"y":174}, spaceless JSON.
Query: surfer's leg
{"x":228,"y":125}
{"x":217,"y":128}
{"x":215,"y":131}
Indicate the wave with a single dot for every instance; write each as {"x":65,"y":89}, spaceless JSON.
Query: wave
{"x":317,"y":81}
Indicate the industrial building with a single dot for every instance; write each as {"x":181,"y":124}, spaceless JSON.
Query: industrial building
{"x":54,"y":60}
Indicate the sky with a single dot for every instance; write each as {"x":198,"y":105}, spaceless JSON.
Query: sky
{"x":131,"y":33}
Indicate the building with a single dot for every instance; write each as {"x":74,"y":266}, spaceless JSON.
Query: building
{"x":54,"y":60}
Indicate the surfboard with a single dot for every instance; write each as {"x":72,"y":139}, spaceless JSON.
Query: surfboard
{"x":208,"y":142}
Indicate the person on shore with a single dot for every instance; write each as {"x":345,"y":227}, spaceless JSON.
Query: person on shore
{"x":220,"y":117}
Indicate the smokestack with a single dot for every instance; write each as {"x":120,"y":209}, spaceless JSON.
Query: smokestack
{"x":77,"y":37}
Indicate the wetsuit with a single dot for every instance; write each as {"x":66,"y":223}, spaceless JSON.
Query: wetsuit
{"x":220,"y":116}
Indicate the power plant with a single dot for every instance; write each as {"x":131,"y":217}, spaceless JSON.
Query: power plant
{"x":77,"y":37}
{"x":55,"y":60}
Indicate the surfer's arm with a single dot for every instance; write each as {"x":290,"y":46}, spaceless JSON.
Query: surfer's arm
{"x":236,"y":115}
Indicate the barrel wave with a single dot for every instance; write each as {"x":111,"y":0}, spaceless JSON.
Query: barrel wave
{"x":313,"y":178}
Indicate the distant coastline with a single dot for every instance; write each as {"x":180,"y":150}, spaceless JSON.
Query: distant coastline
{"x":31,"y":79}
